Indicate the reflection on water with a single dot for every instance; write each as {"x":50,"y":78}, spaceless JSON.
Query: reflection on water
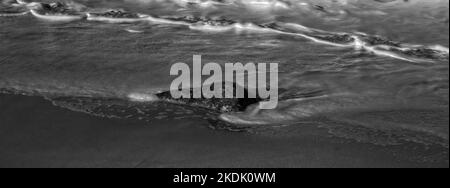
{"x":336,"y":58}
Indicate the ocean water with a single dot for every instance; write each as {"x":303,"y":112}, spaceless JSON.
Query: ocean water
{"x":366,"y":70}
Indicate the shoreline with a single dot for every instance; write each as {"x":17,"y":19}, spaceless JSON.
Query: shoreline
{"x":34,"y":133}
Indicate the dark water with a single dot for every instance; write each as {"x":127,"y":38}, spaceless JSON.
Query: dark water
{"x":371,"y":71}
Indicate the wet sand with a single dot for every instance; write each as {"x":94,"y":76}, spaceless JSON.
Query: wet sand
{"x":34,"y":133}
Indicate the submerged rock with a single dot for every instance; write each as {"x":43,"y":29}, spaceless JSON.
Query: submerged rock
{"x":116,"y":14}
{"x":201,"y":20}
{"x":336,"y":38}
{"x":421,"y":53}
{"x":52,"y":9}
{"x":320,"y":8}
{"x":272,"y":25}
{"x":222,"y":105}
{"x":376,"y":40}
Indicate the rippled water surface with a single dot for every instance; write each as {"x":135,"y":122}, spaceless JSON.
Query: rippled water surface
{"x":374,"y":71}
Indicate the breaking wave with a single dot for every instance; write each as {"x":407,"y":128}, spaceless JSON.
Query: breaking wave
{"x":376,"y":45}
{"x":329,"y":112}
{"x":336,"y":105}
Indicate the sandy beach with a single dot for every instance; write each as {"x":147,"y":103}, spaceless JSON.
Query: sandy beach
{"x":34,"y":133}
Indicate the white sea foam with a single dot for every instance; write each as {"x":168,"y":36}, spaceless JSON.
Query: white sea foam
{"x":134,"y":31}
{"x":291,"y":29}
{"x":265,"y":4}
{"x":440,"y":48}
{"x":91,"y":17}
{"x":293,"y":110}
{"x":166,"y":21}
{"x":209,"y":28}
{"x":142,"y":97}
{"x":309,"y":34}
{"x":22,"y":2}
{"x":361,"y":45}
{"x":57,"y":18}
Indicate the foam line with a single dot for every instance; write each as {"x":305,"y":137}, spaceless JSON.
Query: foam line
{"x":142,"y":97}
{"x":360,"y":41}
{"x":14,"y":14}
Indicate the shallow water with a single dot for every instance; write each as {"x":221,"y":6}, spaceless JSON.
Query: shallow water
{"x":351,"y":87}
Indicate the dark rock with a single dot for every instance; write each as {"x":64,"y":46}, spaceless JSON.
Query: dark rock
{"x":376,"y":40}
{"x":56,"y":9}
{"x":336,"y":38}
{"x":320,"y":8}
{"x":216,"y":104}
{"x":116,"y":14}
{"x":201,"y":20}
{"x":272,"y":25}
{"x":421,"y":53}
